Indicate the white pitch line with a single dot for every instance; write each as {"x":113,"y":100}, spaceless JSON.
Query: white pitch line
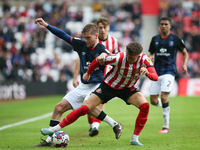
{"x":26,"y":121}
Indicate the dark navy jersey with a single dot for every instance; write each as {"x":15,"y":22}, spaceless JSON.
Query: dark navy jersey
{"x":165,"y":50}
{"x":86,"y":57}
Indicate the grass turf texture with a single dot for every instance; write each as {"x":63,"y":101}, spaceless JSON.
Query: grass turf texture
{"x":184,"y":126}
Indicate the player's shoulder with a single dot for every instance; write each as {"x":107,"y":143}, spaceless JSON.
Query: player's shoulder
{"x":174,"y":36}
{"x":156,"y":36}
{"x":144,"y":56}
{"x":112,"y":37}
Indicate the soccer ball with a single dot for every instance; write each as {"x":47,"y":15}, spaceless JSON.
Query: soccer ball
{"x":60,"y":139}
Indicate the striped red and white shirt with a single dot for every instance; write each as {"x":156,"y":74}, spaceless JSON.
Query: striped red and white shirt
{"x":112,"y":45}
{"x":124,"y":75}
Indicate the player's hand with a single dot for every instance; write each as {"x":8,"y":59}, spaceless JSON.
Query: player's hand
{"x":185,"y":70}
{"x":151,"y":56}
{"x":41,"y":22}
{"x":144,"y":71}
{"x":101,"y":58}
{"x":86,"y":77}
{"x":75,"y":82}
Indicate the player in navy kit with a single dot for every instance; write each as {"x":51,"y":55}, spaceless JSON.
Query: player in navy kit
{"x":87,"y":50}
{"x":163,"y":50}
{"x":111,"y":44}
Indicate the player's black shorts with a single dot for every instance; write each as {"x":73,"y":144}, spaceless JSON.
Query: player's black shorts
{"x":106,"y":93}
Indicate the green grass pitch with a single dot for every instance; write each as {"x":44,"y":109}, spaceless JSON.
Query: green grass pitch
{"x":184,"y":126}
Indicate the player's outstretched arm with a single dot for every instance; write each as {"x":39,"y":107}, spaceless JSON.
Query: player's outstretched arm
{"x":59,"y":33}
{"x":41,"y":22}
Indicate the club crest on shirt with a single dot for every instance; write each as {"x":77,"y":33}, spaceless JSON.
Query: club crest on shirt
{"x":171,"y":43}
{"x":98,"y":90}
{"x":137,"y":70}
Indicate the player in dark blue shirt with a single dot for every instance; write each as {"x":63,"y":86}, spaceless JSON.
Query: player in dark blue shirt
{"x":163,"y":51}
{"x":87,"y":50}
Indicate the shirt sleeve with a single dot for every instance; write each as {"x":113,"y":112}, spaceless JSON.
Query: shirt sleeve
{"x":111,"y":59}
{"x":147,"y":61}
{"x":180,"y":44}
{"x":93,"y":66}
{"x":152,"y":74}
{"x":59,"y":33}
{"x":151,"y":47}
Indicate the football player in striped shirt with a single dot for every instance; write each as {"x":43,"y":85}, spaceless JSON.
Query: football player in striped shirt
{"x":87,"y":50}
{"x":111,"y":44}
{"x":118,"y":82}
{"x":163,"y":50}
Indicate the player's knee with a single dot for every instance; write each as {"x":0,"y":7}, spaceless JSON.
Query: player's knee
{"x":59,"y":108}
{"x":84,"y":110}
{"x":144,"y":107}
{"x":153,"y":100}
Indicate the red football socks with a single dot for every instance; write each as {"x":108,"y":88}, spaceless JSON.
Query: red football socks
{"x":91,"y":120}
{"x":141,"y":118}
{"x":74,"y":115}
{"x":97,"y":120}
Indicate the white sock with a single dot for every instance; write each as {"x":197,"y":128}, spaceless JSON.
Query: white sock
{"x":55,"y":128}
{"x":95,"y":125}
{"x":134,"y":138}
{"x":48,"y":140}
{"x":90,"y":125}
{"x":159,"y":104}
{"x":166,"y":112}
{"x":110,"y":121}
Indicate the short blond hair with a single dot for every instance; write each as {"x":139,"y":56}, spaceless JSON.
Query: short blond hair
{"x":91,"y":27}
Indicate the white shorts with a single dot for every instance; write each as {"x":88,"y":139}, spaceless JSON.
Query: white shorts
{"x":164,"y":84}
{"x":79,"y":94}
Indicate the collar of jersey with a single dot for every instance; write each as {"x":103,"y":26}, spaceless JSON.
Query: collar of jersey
{"x":103,"y":40}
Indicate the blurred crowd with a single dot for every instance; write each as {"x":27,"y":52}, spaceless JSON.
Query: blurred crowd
{"x":29,"y":52}
{"x":185,"y":17}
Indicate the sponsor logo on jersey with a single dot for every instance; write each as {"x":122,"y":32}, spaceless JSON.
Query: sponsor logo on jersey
{"x":137,"y":70}
{"x":149,"y":61}
{"x":163,"y":50}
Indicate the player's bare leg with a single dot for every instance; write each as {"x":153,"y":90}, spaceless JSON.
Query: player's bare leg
{"x":166,"y":112}
{"x":88,"y":106}
{"x":95,"y":123}
{"x":155,"y":100}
